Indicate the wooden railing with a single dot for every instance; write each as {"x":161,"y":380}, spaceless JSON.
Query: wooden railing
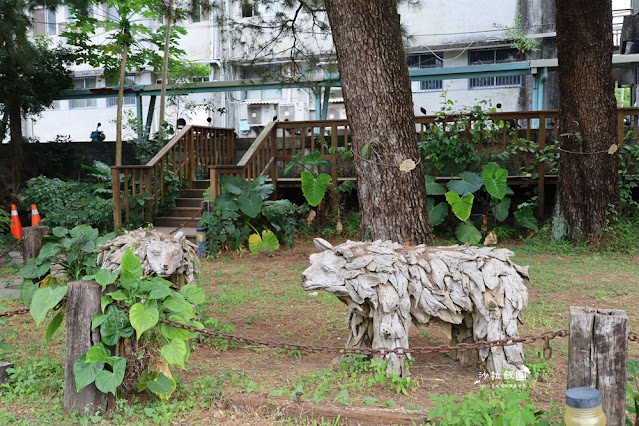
{"x":280,"y":141}
{"x":141,"y":190}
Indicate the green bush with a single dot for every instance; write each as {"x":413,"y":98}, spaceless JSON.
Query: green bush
{"x":242,"y":210}
{"x":70,"y":203}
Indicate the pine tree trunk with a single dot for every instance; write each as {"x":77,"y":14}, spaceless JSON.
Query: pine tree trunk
{"x":379,"y":105}
{"x":587,"y":116}
{"x":118,"y":131}
{"x":15,"y":130}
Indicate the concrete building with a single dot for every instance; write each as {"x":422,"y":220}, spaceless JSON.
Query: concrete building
{"x":441,"y":34}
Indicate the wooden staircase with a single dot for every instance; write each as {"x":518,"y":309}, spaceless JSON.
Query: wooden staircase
{"x":186,"y":213}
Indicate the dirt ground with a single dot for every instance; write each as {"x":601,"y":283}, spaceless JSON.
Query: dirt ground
{"x":261,"y":297}
{"x":305,"y":319}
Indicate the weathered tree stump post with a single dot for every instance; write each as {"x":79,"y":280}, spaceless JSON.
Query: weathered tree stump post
{"x":33,"y":240}
{"x":4,"y":377}
{"x":83,"y":303}
{"x":598,"y":355}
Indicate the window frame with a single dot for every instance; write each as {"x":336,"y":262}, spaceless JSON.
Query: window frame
{"x":84,"y":103}
{"x":499,"y":55}
{"x":423,"y":61}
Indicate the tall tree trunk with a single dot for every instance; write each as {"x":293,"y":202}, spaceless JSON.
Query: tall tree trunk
{"x":17,"y":160}
{"x":379,"y":105}
{"x":587,"y":183}
{"x":165,"y":61}
{"x":118,"y":127}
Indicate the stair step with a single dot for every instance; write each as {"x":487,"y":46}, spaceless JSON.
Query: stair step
{"x":173,"y":222}
{"x":188,"y":202}
{"x":183,"y":212}
{"x":201,"y":184}
{"x":192,"y":193}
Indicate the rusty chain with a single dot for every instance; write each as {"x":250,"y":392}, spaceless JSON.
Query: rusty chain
{"x":6,"y":252}
{"x":443,"y":349}
{"x":187,"y":221}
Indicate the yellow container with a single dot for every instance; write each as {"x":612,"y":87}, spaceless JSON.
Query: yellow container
{"x":583,"y":407}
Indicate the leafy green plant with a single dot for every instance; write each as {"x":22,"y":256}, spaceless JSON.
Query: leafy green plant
{"x":4,"y":346}
{"x":314,"y":184}
{"x":518,"y":38}
{"x":501,"y":406}
{"x":69,"y":203}
{"x":221,"y":345}
{"x":632,"y":392}
{"x":462,"y":194}
{"x":149,"y":300}
{"x":72,"y":253}
{"x":242,"y":209}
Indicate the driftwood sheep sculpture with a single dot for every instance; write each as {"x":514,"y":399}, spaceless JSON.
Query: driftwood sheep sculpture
{"x":477,"y":293}
{"x":170,"y":257}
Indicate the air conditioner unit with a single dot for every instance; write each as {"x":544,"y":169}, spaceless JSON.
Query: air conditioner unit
{"x":286,"y":112}
{"x":255,"y":115}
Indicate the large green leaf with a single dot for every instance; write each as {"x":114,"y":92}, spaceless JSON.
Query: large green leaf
{"x":226,"y":202}
{"x":143,"y":317}
{"x":115,"y":326}
{"x":193,"y":294}
{"x":267,"y":242}
{"x":60,"y":231}
{"x":34,"y":269}
{"x":99,"y":353}
{"x":27,"y":288}
{"x":461,"y":206}
{"x":177,"y":303}
{"x":314,"y":189}
{"x":502,"y":208}
{"x":434,"y":188}
{"x":160,"y":292}
{"x":85,"y":372}
{"x":232,"y":184}
{"x":54,"y":324}
{"x":48,"y":250}
{"x":495,"y":178}
{"x":437,"y":212}
{"x":44,"y":299}
{"x":313,"y":159}
{"x":467,"y":233}
{"x":250,"y":203}
{"x":526,"y":218}
{"x":107,"y":381}
{"x":171,"y":333}
{"x":291,"y":164}
{"x":131,"y":263}
{"x":104,"y":277}
{"x":469,"y":183}
{"x":175,"y":352}
{"x":162,"y":386}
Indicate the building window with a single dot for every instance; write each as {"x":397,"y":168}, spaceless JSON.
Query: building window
{"x":427,"y":60}
{"x":198,"y":13}
{"x":84,"y":83}
{"x":493,"y":56}
{"x":248,"y":9}
{"x":262,"y":72}
{"x":45,"y":22}
{"x":127,"y":100}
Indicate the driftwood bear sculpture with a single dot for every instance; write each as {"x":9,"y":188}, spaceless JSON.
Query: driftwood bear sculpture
{"x":478,"y":293}
{"x":170,"y":257}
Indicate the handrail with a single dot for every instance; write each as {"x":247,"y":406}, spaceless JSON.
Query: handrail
{"x":189,"y":152}
{"x":529,"y":125}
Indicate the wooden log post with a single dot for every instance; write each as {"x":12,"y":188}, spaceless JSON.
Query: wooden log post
{"x":598,"y":355}
{"x":4,"y":376}
{"x":83,"y":303}
{"x":33,"y":240}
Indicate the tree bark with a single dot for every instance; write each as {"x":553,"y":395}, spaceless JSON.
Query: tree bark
{"x":587,"y":185}
{"x":379,"y":105}
{"x":165,"y":60}
{"x":15,"y":129}
{"x":118,"y":127}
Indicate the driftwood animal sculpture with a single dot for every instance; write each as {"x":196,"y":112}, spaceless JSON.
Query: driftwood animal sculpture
{"x":170,"y":257}
{"x":478,"y":293}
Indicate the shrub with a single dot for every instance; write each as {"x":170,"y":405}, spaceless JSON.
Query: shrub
{"x":70,"y":203}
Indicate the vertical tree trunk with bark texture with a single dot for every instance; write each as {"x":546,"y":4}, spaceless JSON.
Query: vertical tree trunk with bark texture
{"x":587,"y":117}
{"x":379,"y":105}
{"x":118,"y":128}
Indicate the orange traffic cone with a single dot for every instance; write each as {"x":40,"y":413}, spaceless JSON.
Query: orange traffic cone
{"x":16,"y":226}
{"x":35,"y":216}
